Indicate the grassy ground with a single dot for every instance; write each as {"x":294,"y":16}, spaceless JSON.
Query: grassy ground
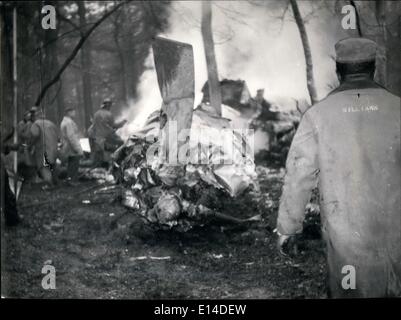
{"x":98,"y":249}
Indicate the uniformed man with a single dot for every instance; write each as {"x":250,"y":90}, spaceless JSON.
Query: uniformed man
{"x":44,"y":138}
{"x":25,"y":162}
{"x":71,"y":149}
{"x":24,"y":126}
{"x":33,"y":110}
{"x":8,"y":200}
{"x":349,"y":144}
{"x":102,"y":132}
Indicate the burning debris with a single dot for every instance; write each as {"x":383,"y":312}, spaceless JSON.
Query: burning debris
{"x":275,"y":127}
{"x":234,"y":93}
{"x":185,"y":164}
{"x":176,"y":170}
{"x":194,"y":196}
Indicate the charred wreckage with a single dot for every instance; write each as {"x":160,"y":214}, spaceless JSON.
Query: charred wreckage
{"x":181,"y":168}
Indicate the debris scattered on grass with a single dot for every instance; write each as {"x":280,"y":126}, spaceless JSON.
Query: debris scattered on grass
{"x":149,"y":257}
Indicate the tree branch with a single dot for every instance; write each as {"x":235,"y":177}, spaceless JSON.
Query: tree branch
{"x":74,"y":52}
{"x":74,"y":25}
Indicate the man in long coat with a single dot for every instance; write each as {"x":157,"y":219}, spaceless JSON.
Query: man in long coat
{"x":25,"y":162}
{"x":8,"y":200}
{"x":71,"y":149}
{"x":45,"y":136}
{"x":349,"y":144}
{"x":102,"y":132}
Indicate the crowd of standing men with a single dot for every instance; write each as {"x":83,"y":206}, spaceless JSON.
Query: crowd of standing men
{"x":41,"y":143}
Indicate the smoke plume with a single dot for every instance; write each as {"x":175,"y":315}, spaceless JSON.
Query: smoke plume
{"x":253,"y":43}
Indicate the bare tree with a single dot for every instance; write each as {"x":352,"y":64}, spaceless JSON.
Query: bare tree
{"x":6,"y":75}
{"x":208,"y":43}
{"x":310,"y":81}
{"x":381,"y":72}
{"x":86,"y":63}
{"x":379,"y":21}
{"x":75,"y":51}
{"x":119,"y":19}
{"x":51,"y":65}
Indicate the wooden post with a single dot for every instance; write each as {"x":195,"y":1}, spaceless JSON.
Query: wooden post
{"x":15,"y":103}
{"x":1,"y":85}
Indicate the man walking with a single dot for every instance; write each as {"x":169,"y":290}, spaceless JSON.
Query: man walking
{"x":71,"y":149}
{"x":349,"y":144}
{"x":45,"y":135}
{"x":102,"y":133}
{"x":24,"y":127}
{"x":8,"y":199}
{"x":25,"y":162}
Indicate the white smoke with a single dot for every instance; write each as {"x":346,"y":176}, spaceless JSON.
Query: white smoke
{"x":252,"y":45}
{"x":149,"y":100}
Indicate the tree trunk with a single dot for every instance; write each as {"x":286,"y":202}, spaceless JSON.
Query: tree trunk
{"x":120,"y":53}
{"x":75,"y":51}
{"x":307,"y":52}
{"x":86,"y":67}
{"x":51,"y":65}
{"x":358,"y":20}
{"x":211,"y":64}
{"x":381,"y":39}
{"x":393,"y":46}
{"x":2,"y":134}
{"x":80,"y":111}
{"x":60,"y":94}
{"x":6,"y":76}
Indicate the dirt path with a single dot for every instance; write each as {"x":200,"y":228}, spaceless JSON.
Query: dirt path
{"x":101,"y":251}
